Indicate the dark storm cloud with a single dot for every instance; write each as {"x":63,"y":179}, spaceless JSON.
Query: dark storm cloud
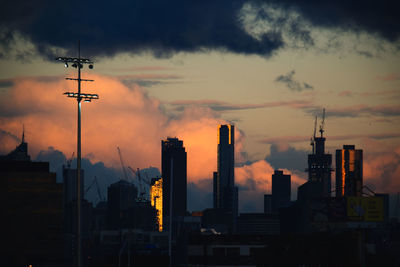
{"x":289,"y":158}
{"x":165,"y":27}
{"x":162,"y":27}
{"x":291,"y":83}
{"x":380,"y":17}
{"x":4,"y":83}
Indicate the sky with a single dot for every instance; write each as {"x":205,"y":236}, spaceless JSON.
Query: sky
{"x":181,"y":68}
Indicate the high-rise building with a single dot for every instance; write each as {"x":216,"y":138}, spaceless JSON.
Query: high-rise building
{"x":280,"y":190}
{"x":121,"y":200}
{"x":349,"y":171}
{"x":31,"y":210}
{"x":320,"y":166}
{"x":156,"y":197}
{"x":268,"y":203}
{"x":173,"y":167}
{"x":225,"y":191}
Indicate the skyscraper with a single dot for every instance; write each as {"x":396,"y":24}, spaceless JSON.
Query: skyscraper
{"x":121,"y":199}
{"x":349,"y":171}
{"x":225,"y":192}
{"x":280,"y":190}
{"x":173,"y":162}
{"x":319,"y":168}
{"x":31,"y":209}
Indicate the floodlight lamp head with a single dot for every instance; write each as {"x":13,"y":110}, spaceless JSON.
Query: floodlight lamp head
{"x":74,"y":65}
{"x":66,"y":64}
{"x":91,"y":66}
{"x":80,"y":65}
{"x":87,"y":100}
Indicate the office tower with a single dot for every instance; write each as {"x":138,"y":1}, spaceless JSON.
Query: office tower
{"x":349,"y":171}
{"x":156,"y":196}
{"x":280,"y":190}
{"x":320,"y":166}
{"x":173,"y":167}
{"x":31,"y":207}
{"x":121,"y":199}
{"x":225,"y":192}
{"x":268,"y":203}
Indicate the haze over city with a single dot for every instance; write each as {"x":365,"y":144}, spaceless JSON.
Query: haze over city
{"x":181,"y":69}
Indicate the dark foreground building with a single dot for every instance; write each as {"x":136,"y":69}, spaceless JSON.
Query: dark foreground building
{"x":173,"y":155}
{"x":31,"y":205}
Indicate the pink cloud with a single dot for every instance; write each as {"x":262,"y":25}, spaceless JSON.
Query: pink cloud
{"x":255,"y":180}
{"x":346,"y":93}
{"x":123,"y":116}
{"x":389,"y":77}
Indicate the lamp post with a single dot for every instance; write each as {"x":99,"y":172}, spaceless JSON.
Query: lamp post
{"x":78,"y":64}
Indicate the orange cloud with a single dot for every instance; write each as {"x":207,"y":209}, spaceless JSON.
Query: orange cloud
{"x":255,"y":180}
{"x":123,"y":116}
{"x":382,"y":170}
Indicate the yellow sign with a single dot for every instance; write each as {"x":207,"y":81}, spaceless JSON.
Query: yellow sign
{"x":368,"y":209}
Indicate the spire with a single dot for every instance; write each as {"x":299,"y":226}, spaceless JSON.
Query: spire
{"x":23,"y":133}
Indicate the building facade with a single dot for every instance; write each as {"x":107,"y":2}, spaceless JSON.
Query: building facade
{"x":280,"y":190}
{"x":320,"y":167}
{"x":349,"y":171}
{"x":156,"y":196}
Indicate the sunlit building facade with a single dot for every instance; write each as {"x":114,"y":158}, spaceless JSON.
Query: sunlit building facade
{"x":349,"y":171}
{"x":156,"y":198}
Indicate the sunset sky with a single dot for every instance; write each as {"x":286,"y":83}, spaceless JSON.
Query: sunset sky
{"x":182,"y":68}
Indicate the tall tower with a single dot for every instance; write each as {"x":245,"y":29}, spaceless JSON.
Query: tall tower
{"x":225,"y":192}
{"x":319,"y":163}
{"x":349,"y":171}
{"x":280,"y":190}
{"x":173,"y":161}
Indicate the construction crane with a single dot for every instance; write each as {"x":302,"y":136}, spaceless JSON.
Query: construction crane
{"x":321,"y":127}
{"x":122,"y":164}
{"x":141,"y":182}
{"x":97,"y":186}
{"x":312,"y":141}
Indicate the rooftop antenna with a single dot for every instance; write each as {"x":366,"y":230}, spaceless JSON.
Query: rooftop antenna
{"x":321,"y":127}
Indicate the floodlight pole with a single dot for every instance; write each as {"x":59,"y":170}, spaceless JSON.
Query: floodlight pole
{"x":78,"y":167}
{"x":78,"y":63}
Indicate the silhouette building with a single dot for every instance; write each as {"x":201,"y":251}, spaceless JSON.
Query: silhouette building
{"x":268,"y":203}
{"x":31,"y":206}
{"x":121,"y":199}
{"x":280,"y":190}
{"x":225,"y":191}
{"x":319,"y":169}
{"x":173,"y":167}
{"x":349,"y":171}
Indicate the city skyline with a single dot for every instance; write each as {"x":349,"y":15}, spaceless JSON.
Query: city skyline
{"x":269,"y":72}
